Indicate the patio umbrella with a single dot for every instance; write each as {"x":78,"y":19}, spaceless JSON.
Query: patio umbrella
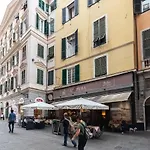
{"x":39,"y":105}
{"x":82,"y":103}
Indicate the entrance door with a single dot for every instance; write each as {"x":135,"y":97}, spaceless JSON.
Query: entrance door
{"x":147,"y":113}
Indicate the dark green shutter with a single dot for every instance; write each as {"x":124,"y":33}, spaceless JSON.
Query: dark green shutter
{"x":97,"y":67}
{"x":47,"y":8}
{"x":76,"y":42}
{"x":40,"y":3}
{"x":41,"y":77}
{"x":51,"y":77}
{"x":55,"y":4}
{"x":46,"y":27}
{"x":43,"y":5}
{"x":89,"y":2}
{"x":63,"y":54}
{"x":64,"y":77}
{"x":63,"y":15}
{"x":137,"y":6}
{"x":76,"y":7}
{"x":51,"y":52}
{"x":38,"y":76}
{"x":77,"y":73}
{"x":37,"y":21}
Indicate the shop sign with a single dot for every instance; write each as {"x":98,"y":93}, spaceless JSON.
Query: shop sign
{"x":39,"y":99}
{"x":115,"y":82}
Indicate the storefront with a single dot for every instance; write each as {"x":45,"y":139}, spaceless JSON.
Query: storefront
{"x":115,"y":91}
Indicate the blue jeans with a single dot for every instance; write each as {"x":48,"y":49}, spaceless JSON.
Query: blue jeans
{"x":65,"y":139}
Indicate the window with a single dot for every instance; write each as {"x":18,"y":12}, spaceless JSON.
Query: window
{"x":10,"y":43}
{"x":99,"y":32}
{"x":101,"y":66}
{"x":91,"y":2}
{"x":13,"y":60}
{"x":24,"y":53}
{"x":41,"y":23}
{"x":52,"y":27}
{"x":21,"y":29}
{"x":53,"y":5}
{"x":16,"y":81}
{"x":47,"y":8}
{"x":70,"y":45}
{"x":11,"y":27}
{"x":146,"y":7}
{"x":5,"y":86}
{"x":40,"y":51}
{"x":17,"y":57}
{"x":8,"y":86}
{"x":39,"y":76}
{"x":1,"y":89}
{"x":71,"y":75}
{"x":23,"y":77}
{"x":70,"y":12}
{"x":146,"y":43}
{"x":51,"y":77}
{"x":12,"y":83}
{"x":41,"y":4}
{"x":51,"y":53}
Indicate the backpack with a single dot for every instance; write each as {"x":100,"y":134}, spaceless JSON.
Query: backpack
{"x":87,"y":133}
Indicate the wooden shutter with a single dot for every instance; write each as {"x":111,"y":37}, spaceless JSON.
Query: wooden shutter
{"x":37,"y":21}
{"x":47,"y":7}
{"x":40,"y":3}
{"x":46,"y":27}
{"x":76,"y":42}
{"x":42,"y":77}
{"x":96,"y":29}
{"x":43,"y":5}
{"x":63,"y":53}
{"x":146,"y":43}
{"x":137,"y":6}
{"x":12,"y":83}
{"x":102,"y":35}
{"x":55,"y":4}
{"x":51,"y":52}
{"x":77,"y":73}
{"x":51,"y":77}
{"x":63,"y":15}
{"x":76,"y":7}
{"x":89,"y":2}
{"x":64,"y":77}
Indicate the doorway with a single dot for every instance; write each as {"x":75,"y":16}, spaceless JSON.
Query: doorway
{"x":147,"y":114}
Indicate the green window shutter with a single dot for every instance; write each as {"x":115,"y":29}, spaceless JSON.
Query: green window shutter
{"x":40,"y":51}
{"x":46,"y":27}
{"x":40,"y":3}
{"x":63,"y":51}
{"x":39,"y":76}
{"x":76,"y":7}
{"x":51,"y":77}
{"x":77,"y":73}
{"x":51,"y":52}
{"x":47,"y":8}
{"x":12,"y":83}
{"x":64,"y":77}
{"x":89,"y":3}
{"x":55,"y":4}
{"x":37,"y":21}
{"x":43,"y":5}
{"x":63,"y":15}
{"x":76,"y":42}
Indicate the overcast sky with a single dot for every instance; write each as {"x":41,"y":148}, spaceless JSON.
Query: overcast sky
{"x":3,"y":6}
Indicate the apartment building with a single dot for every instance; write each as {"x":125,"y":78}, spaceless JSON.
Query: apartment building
{"x":95,"y":54}
{"x":27,"y":49}
{"x":143,"y":36}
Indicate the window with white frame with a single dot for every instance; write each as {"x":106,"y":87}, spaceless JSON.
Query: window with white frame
{"x":145,"y":5}
{"x":91,"y":2}
{"x":70,"y":45}
{"x":100,"y":66}
{"x":23,"y":77}
{"x":70,"y":11}
{"x":71,"y":75}
{"x":146,"y":43}
{"x":99,"y":34}
{"x":24,"y":53}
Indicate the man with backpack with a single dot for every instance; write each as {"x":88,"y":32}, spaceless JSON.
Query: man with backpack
{"x":81,"y":134}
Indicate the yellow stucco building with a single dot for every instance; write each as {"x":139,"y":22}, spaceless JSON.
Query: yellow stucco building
{"x":95,"y":51}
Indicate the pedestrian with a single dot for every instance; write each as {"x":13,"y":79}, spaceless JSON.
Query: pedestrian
{"x":11,"y":121}
{"x":81,"y":134}
{"x":66,"y":126}
{"x":2,"y":116}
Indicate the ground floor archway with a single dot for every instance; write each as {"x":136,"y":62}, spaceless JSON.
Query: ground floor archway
{"x":147,"y":113}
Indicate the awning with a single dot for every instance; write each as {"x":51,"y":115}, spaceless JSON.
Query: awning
{"x":119,"y":97}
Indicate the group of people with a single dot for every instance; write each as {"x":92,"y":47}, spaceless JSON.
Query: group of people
{"x":80,"y":132}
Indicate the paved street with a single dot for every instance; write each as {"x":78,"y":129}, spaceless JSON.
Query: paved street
{"x":44,"y":140}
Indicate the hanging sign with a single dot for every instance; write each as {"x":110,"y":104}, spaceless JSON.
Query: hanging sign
{"x":39,"y":99}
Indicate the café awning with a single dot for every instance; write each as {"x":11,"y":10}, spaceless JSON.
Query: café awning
{"x":118,"y":97}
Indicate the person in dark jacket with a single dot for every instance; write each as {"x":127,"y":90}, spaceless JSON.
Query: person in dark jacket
{"x":11,"y":121}
{"x":66,"y":128}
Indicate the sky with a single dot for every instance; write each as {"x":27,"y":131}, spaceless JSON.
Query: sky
{"x":3,"y":6}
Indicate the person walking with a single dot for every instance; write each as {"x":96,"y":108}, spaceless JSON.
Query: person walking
{"x":2,"y":116}
{"x":67,"y":125}
{"x":11,"y":121}
{"x":81,"y":134}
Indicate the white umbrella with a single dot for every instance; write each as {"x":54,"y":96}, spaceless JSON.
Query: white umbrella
{"x":82,"y":103}
{"x":39,"y":105}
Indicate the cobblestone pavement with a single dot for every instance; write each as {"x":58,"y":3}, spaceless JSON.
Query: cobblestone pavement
{"x":22,"y":139}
